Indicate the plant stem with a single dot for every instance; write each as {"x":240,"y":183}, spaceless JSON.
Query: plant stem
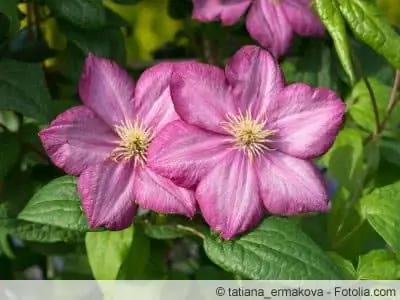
{"x":393,"y":100}
{"x":191,"y":230}
{"x":349,"y":234}
{"x":374,"y":106}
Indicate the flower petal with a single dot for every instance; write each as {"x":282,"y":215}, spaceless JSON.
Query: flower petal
{"x":229,"y":196}
{"x":255,"y":78}
{"x":107,"y":193}
{"x":307,"y":120}
{"x":302,"y":17}
{"x":162,"y":195}
{"x":290,"y":186}
{"x":107,"y":90}
{"x":185,"y":153}
{"x":229,"y":11}
{"x":267,"y":23}
{"x":153,"y":101}
{"x":77,"y":139}
{"x":201,"y":96}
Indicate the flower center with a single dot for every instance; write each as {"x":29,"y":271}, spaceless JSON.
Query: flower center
{"x":249,"y":134}
{"x":134,"y":142}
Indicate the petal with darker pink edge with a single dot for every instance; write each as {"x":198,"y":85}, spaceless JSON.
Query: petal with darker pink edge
{"x":153,"y":103}
{"x":107,"y":194}
{"x":185,"y":153}
{"x":201,"y":96}
{"x":77,"y":139}
{"x":302,"y":17}
{"x":306,"y":120}
{"x":161,"y":195}
{"x":290,"y":186}
{"x":255,"y":77}
{"x":267,"y":23}
{"x":107,"y":90}
{"x":229,"y":196}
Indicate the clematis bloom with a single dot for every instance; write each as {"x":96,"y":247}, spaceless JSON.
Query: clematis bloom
{"x":105,"y":143}
{"x":273,"y":23}
{"x":245,"y":141}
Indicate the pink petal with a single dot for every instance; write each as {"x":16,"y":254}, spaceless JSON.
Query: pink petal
{"x":77,"y":139}
{"x":255,"y":78}
{"x":201,"y":96}
{"x":107,"y":89}
{"x":307,"y":120}
{"x":161,"y":195}
{"x":229,"y":11}
{"x":107,"y":193}
{"x":185,"y":153}
{"x":153,"y":100}
{"x":229,"y":196}
{"x":267,"y":23}
{"x":290,"y":186}
{"x":302,"y":17}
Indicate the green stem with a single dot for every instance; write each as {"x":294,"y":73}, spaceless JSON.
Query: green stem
{"x":191,"y":230}
{"x":349,"y":234}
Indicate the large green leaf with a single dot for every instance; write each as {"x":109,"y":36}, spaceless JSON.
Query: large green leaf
{"x":87,"y":14}
{"x":107,"y":251}
{"x":378,"y":265}
{"x":9,"y":9}
{"x":35,"y":232}
{"x":276,"y":249}
{"x":23,"y":89}
{"x":56,"y":204}
{"x":39,"y":233}
{"x":345,"y":265}
{"x":381,"y":209}
{"x":137,"y":259}
{"x":370,"y":25}
{"x":333,"y":21}
{"x":9,"y":152}
{"x":107,"y":43}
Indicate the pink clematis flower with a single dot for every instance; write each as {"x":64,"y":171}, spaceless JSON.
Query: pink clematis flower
{"x":105,"y":143}
{"x":272,"y":23}
{"x":246,"y":140}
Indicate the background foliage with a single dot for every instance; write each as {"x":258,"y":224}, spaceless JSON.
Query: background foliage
{"x":43,"y":232}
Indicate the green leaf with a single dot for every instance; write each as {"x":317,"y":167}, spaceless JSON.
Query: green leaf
{"x":316,"y":66}
{"x":9,"y":152}
{"x":334,"y":23}
{"x":370,"y":25}
{"x":378,"y":265}
{"x":361,"y":111}
{"x":9,"y":9}
{"x":107,"y":251}
{"x":390,"y":150}
{"x":276,"y":249}
{"x":135,"y":264}
{"x":87,"y":14}
{"x":23,"y":89}
{"x":344,"y":160}
{"x":39,"y":233}
{"x":345,"y":266}
{"x":56,"y":204}
{"x":381,"y":209}
{"x":108,"y":43}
